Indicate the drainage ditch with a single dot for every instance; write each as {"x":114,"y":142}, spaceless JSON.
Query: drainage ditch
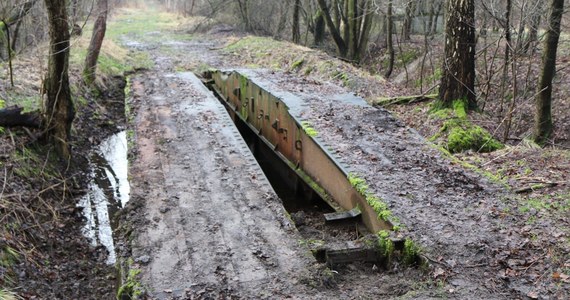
{"x":108,"y":192}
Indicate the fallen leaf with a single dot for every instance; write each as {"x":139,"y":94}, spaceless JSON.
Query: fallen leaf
{"x":438,"y":272}
{"x":532,"y":295}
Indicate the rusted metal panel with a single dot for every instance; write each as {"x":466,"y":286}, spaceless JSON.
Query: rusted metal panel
{"x":273,"y":121}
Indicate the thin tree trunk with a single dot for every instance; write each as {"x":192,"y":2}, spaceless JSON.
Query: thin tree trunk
{"x":389,"y":42}
{"x":435,"y":15}
{"x":16,"y":35}
{"x":58,"y":107}
{"x":507,"y":30}
{"x":543,"y":117}
{"x":408,"y":19}
{"x":353,"y":29}
{"x":340,"y":44}
{"x":99,"y":29}
{"x":192,"y":7}
{"x":367,"y":16}
{"x":532,"y":37}
{"x":296,"y":16}
{"x":244,"y":10}
{"x":319,"y":30}
{"x":9,"y":51}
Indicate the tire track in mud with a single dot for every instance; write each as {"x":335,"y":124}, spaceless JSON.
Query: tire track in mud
{"x":213,"y":223}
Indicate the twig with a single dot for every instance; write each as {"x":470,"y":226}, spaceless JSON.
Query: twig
{"x":225,"y":46}
{"x":435,"y":261}
{"x":541,"y":185}
{"x":5,"y":181}
{"x":476,"y":266}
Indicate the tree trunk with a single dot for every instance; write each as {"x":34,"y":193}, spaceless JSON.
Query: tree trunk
{"x":532,"y":37}
{"x":458,"y":79}
{"x":366,"y":27}
{"x":58,"y":107}
{"x":340,"y":44}
{"x":352,"y":29}
{"x":296,"y":16}
{"x":99,"y":29}
{"x":408,"y":18}
{"x":192,"y":7}
{"x":244,"y":10}
{"x":319,"y":30}
{"x":543,"y":117}
{"x":389,"y":43}
{"x":507,"y":30}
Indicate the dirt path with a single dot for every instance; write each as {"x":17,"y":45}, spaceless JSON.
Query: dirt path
{"x":209,"y":225}
{"x":205,"y":221}
{"x":212,"y":219}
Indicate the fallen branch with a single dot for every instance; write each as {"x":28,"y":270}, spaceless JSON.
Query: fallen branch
{"x":535,"y":187}
{"x":13,"y":117}
{"x":403,"y":100}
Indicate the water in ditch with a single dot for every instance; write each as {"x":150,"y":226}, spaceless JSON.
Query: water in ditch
{"x":107,"y":193}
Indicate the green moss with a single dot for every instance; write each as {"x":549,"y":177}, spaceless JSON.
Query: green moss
{"x":463,"y":135}
{"x":460,"y":108}
{"x":460,"y":133}
{"x":496,"y":178}
{"x":344,"y":77}
{"x":297,"y":64}
{"x":379,"y":206}
{"x":30,"y":164}
{"x":27,"y":102}
{"x":131,"y":288}
{"x":243,"y":84}
{"x":411,"y":253}
{"x":8,"y":259}
{"x":308,"y":129}
{"x":308,"y":180}
{"x":385,"y":245}
{"x":309,"y":70}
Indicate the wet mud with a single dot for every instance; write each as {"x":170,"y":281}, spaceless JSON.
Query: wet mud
{"x":206,"y":223}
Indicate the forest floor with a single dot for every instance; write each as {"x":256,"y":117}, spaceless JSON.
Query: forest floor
{"x":493,"y":225}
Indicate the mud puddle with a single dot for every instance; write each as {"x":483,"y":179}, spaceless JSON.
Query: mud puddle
{"x":108,"y":192}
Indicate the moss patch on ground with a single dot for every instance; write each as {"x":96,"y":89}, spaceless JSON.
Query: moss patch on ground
{"x":459,"y":134}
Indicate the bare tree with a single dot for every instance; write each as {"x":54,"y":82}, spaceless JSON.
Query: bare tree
{"x":59,"y":111}
{"x":543,"y":117}
{"x":97,"y":37}
{"x":355,"y":17}
{"x":389,"y":42}
{"x":296,"y":35}
{"x":408,"y":18}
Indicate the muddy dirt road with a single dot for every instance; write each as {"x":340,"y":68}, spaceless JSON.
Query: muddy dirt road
{"x":206,"y":223}
{"x":213,"y":220}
